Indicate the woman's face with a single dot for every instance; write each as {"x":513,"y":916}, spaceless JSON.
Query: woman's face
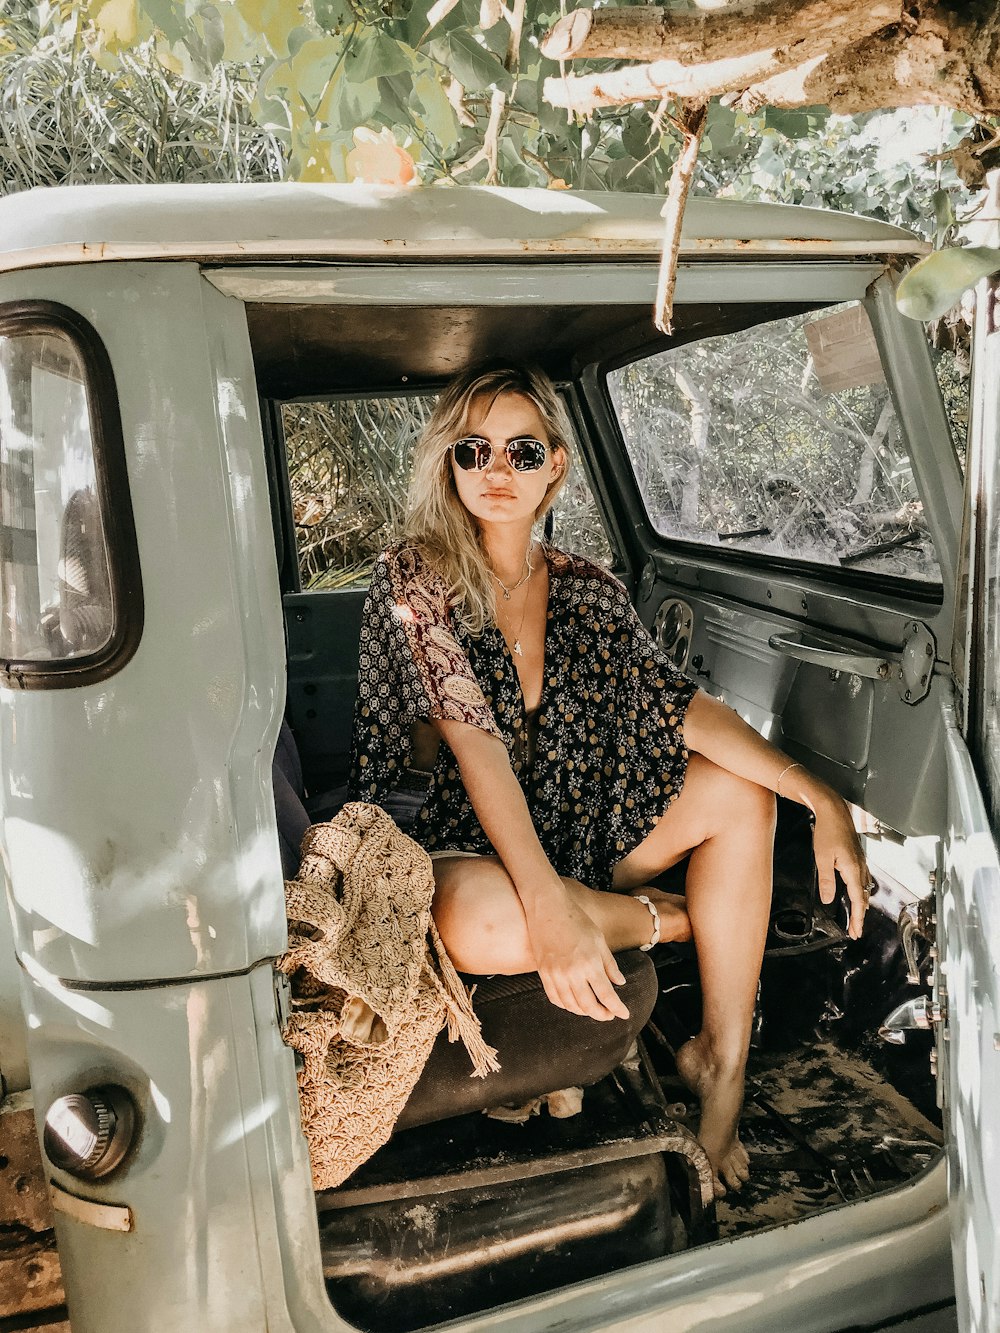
{"x":499,"y":494}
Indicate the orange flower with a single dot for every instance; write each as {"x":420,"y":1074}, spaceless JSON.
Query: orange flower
{"x":377,"y":159}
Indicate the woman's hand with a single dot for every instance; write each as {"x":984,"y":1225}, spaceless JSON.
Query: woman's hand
{"x":837,"y":847}
{"x":576,"y":967}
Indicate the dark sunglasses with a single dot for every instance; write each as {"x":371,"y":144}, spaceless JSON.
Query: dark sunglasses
{"x":474,"y":454}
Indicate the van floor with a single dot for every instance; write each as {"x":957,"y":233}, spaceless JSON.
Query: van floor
{"x":831,"y":1113}
{"x":459,"y":1216}
{"x":822,"y":1127}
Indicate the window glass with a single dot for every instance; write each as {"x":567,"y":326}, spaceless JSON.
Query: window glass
{"x":781,"y":438}
{"x":349,"y":465}
{"x":55,"y":588}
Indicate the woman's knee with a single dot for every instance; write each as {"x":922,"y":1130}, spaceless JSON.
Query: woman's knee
{"x":734,"y":800}
{"x":479,"y":915}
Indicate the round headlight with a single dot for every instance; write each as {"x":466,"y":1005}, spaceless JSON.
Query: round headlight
{"x":89,"y":1133}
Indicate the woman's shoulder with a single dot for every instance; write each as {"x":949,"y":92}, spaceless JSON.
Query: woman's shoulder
{"x":413,"y":559}
{"x":565,"y":565}
{"x":409,"y":567}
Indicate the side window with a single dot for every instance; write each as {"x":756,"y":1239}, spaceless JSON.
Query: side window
{"x":782,"y":439}
{"x":348,"y":467}
{"x":70,"y":612}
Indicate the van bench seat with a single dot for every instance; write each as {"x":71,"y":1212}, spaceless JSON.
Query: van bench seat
{"x":541,"y":1047}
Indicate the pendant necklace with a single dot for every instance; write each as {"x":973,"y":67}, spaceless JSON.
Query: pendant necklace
{"x":517,"y":641}
{"x":516,"y":646}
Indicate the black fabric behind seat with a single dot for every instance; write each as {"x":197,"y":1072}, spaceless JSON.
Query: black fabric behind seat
{"x":541,"y":1047}
{"x":292,"y":817}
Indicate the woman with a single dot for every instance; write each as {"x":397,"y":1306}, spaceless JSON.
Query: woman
{"x":577,"y":763}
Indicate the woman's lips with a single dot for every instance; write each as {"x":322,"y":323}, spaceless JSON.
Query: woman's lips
{"x":499,"y":495}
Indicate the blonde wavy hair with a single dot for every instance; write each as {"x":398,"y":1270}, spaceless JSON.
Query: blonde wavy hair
{"x":436,"y":520}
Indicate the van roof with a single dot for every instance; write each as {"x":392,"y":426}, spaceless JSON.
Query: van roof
{"x":288,"y":220}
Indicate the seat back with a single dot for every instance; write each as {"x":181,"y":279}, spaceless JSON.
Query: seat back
{"x":289,"y":800}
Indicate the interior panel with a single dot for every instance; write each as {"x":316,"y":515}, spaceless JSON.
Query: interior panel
{"x":313,"y":349}
{"x":833,"y":722}
{"x":830,"y":713}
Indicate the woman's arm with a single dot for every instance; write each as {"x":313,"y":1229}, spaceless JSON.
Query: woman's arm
{"x":721,"y":735}
{"x":574,"y":963}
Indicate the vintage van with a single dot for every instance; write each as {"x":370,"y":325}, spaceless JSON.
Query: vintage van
{"x":207,"y":399}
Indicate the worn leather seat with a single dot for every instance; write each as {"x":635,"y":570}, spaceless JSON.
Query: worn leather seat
{"x":541,"y":1047}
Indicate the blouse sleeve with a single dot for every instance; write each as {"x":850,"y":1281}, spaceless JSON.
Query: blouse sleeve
{"x":411,"y":668}
{"x":652,"y":669}
{"x":645,"y":671}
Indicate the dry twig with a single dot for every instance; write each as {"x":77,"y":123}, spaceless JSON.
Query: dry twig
{"x":692,"y":123}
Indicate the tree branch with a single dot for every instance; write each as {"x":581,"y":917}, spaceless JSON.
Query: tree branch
{"x":854,"y":61}
{"x":692,"y":124}
{"x":663,"y":79}
{"x":651,"y":33}
{"x":938,"y":63}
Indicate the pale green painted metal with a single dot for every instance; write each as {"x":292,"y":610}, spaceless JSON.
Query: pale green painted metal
{"x":225,"y":1234}
{"x":967,"y":984}
{"x":153,"y":853}
{"x":910,"y":375}
{"x":152,"y":858}
{"x":73,"y":224}
{"x":567,"y":283}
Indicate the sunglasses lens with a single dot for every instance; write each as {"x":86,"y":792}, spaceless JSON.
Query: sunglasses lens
{"x":526,"y":455}
{"x":472,"y":455}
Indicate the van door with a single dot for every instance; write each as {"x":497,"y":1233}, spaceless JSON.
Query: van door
{"x":967,"y":987}
{"x":796,"y":521}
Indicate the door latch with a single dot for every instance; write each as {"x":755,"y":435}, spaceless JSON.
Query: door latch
{"x":921,"y":1014}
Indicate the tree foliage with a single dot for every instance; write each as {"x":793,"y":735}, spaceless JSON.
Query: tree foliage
{"x":145,"y":90}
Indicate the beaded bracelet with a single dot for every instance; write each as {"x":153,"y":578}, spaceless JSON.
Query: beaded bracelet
{"x":641,"y":897}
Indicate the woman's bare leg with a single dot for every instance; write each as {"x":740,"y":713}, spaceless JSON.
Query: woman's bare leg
{"x":729,"y":822}
{"x":481,"y":921}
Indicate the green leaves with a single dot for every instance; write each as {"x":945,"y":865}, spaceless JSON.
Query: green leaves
{"x":374,"y":54}
{"x":333,"y":15}
{"x":432,"y":111}
{"x":269,"y":21}
{"x":933,"y":286}
{"x":473,"y":65}
{"x":427,"y":70}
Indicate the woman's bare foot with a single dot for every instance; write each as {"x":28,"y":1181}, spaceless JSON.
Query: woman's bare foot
{"x":721,"y":1097}
{"x":675,"y":924}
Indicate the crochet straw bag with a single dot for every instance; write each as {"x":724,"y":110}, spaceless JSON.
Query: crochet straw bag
{"x":372,"y":985}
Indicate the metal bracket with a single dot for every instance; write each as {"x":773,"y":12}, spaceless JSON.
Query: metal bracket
{"x":647,"y":581}
{"x":282,"y":1000}
{"x":106,"y":1216}
{"x":916,"y":663}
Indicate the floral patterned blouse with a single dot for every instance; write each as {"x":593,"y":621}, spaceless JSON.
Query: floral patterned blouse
{"x":599,"y":763}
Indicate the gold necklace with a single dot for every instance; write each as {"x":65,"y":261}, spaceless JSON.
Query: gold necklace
{"x":516,"y":645}
{"x":507,"y":592}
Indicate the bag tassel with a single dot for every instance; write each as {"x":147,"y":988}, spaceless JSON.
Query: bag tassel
{"x":463,"y":1022}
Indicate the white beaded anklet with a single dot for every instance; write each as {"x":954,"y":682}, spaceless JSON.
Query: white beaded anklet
{"x":641,"y":898}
